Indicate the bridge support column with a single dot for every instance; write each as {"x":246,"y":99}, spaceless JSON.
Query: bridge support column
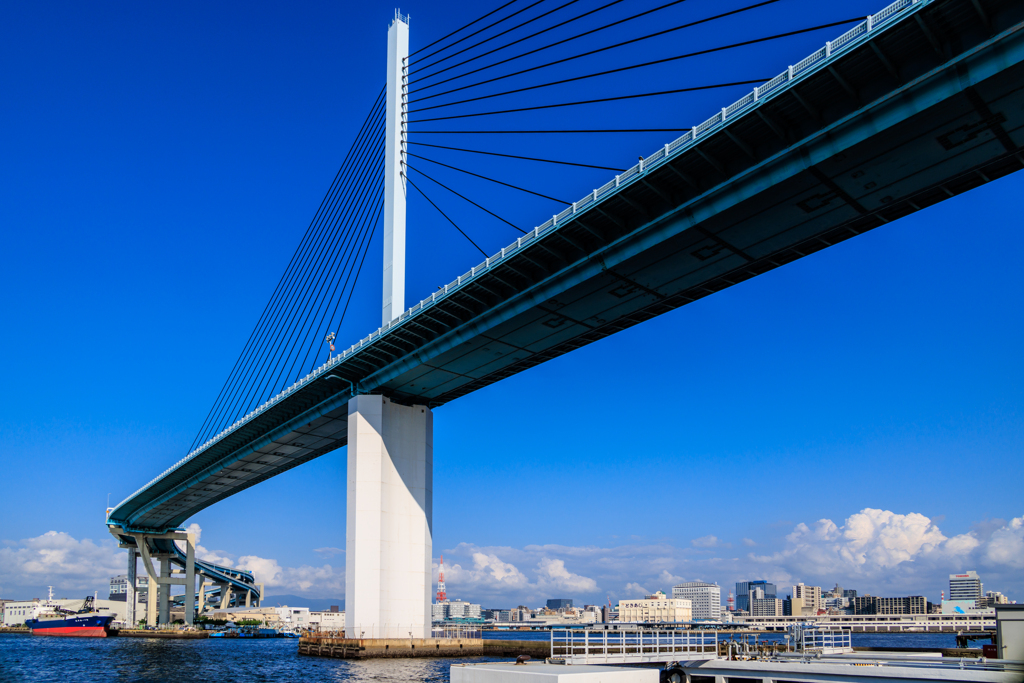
{"x":164,"y":591}
{"x":130,"y":599}
{"x":151,"y":602}
{"x":190,"y":580}
{"x":225,"y":595}
{"x":388,"y":539}
{"x":202,"y":595}
{"x":158,"y":594}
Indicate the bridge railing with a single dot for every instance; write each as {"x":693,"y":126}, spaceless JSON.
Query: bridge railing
{"x":585,"y":646}
{"x":871,"y":24}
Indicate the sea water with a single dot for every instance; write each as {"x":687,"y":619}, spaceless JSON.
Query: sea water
{"x":245,"y":660}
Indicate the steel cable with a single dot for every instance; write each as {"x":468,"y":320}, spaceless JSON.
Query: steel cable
{"x":514,"y":156}
{"x":525,"y":38}
{"x":366,"y":245}
{"x":514,"y":187}
{"x":370,"y":199}
{"x":478,"y":32}
{"x":496,"y":35}
{"x":430,"y":45}
{"x":310,"y":283}
{"x":304,"y":271}
{"x":696,"y":88}
{"x":654,"y":62}
{"x":408,"y":165}
{"x":445,"y":215}
{"x":282,"y":293}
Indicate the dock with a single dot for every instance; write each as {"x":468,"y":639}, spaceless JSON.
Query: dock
{"x":384,"y":648}
{"x":160,"y":633}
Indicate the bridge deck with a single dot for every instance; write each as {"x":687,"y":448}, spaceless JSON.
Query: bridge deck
{"x":877,"y":125}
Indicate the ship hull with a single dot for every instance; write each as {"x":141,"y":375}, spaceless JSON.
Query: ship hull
{"x":85,"y":626}
{"x":73,"y":631}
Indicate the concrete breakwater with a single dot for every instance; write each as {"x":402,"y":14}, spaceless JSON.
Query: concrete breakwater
{"x":382,"y":648}
{"x":144,"y":633}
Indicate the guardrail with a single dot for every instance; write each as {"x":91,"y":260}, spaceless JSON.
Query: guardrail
{"x":827,"y":641}
{"x":832,"y":48}
{"x":895,"y":660}
{"x":574,"y":646}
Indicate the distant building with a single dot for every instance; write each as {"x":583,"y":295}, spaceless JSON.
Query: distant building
{"x":609,"y":614}
{"x":293,"y":616}
{"x":522,"y":613}
{"x":559,"y":603}
{"x":966,"y":586}
{"x":17,"y":611}
{"x":964,"y":607}
{"x":455,"y":609}
{"x":837,"y":605}
{"x":743,"y":592}
{"x":498,"y":615}
{"x":993,"y":598}
{"x":706,"y":598}
{"x":848,"y":593}
{"x":332,"y":620}
{"x":119,"y":587}
{"x":765,"y":607}
{"x":655,"y":609}
{"x":869,"y":604}
{"x":806,"y":600}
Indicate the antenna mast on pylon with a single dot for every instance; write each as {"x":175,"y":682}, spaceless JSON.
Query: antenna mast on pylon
{"x":442,"y":596}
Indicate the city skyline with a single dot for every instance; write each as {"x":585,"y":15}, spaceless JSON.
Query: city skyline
{"x":157,"y":188}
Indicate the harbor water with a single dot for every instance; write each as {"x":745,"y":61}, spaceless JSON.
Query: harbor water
{"x":26,"y":658}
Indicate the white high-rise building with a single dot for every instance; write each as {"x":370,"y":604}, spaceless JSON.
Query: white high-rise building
{"x":706,"y":598}
{"x":806,"y":600}
{"x":966,"y":586}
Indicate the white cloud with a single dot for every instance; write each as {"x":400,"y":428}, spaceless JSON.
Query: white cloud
{"x":304,"y":580}
{"x":709,"y":542}
{"x":59,"y":560}
{"x":877,"y":551}
{"x":312,"y":581}
{"x":552,"y":574}
{"x":635,"y":590}
{"x":202,"y":553}
{"x":666,"y":578}
{"x":884,"y":551}
{"x":1006,"y":545}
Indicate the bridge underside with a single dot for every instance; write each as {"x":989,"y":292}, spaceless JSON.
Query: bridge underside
{"x":927,"y":109}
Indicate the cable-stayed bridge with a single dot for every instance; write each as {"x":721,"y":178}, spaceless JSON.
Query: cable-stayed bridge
{"x":915,"y":104}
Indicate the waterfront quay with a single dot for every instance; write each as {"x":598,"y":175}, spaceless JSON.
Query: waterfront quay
{"x":384,"y":648}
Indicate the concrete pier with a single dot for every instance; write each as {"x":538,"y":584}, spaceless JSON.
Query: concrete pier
{"x":383,"y":648}
{"x":388,"y":533}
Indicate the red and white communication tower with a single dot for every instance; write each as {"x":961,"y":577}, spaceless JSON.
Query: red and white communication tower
{"x":442,"y":596}
{"x":730,"y":603}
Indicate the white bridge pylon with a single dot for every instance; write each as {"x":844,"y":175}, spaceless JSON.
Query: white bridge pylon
{"x":395,"y":108}
{"x":388,"y":534}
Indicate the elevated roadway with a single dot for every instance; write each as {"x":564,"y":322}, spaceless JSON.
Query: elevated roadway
{"x":920,"y":103}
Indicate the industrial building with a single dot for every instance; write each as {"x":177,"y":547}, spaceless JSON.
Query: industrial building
{"x":706,"y":598}
{"x":119,"y":587}
{"x":655,"y":609}
{"x":869,"y":604}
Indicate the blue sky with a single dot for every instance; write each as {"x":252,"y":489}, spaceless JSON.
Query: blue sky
{"x":161,"y":161}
